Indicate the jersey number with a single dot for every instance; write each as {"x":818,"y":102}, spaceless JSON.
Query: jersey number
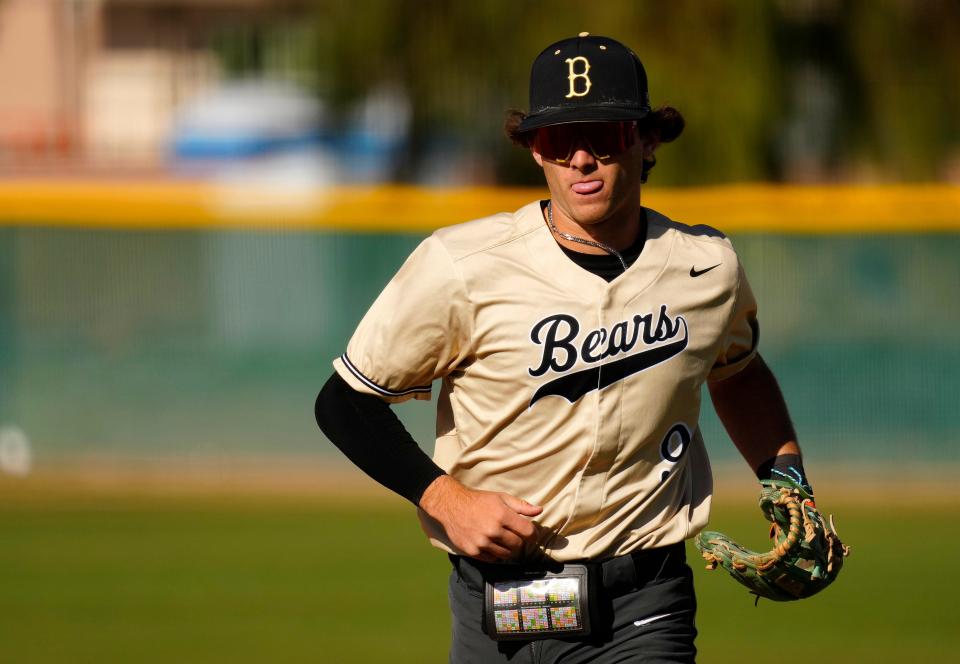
{"x":674,"y":445}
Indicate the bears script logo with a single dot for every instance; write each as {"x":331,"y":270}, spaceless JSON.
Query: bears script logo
{"x":562,"y":348}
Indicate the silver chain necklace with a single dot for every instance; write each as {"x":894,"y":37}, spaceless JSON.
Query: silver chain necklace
{"x":574,"y":238}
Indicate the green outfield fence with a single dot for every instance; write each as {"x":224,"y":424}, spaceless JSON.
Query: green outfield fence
{"x":210,"y":335}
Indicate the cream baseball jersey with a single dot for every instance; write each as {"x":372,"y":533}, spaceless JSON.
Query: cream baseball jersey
{"x":558,"y":387}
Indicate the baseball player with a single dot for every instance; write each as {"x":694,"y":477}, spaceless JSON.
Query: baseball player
{"x":571,"y":339}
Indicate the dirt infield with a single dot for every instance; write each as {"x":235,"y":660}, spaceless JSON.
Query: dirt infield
{"x":330,"y":479}
{"x":236,"y":478}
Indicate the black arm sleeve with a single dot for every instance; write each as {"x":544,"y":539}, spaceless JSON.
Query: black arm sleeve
{"x":371,"y":435}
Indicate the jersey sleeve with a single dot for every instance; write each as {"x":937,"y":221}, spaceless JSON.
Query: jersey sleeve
{"x":417,"y":330}
{"x":739,"y":343}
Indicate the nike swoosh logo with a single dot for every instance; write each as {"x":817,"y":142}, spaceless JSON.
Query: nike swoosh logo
{"x":694,"y":272}
{"x":574,"y":385}
{"x":647,"y":621}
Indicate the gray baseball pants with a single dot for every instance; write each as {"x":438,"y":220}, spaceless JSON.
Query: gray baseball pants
{"x":647,"y":608}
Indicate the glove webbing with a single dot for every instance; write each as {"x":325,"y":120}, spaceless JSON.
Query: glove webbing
{"x":764,"y":561}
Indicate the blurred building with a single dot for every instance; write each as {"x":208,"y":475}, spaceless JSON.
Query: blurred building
{"x":95,"y":83}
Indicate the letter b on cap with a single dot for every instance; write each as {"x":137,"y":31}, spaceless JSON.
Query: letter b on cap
{"x":575,"y":75}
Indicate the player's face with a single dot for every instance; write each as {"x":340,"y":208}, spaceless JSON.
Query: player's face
{"x":593,"y":169}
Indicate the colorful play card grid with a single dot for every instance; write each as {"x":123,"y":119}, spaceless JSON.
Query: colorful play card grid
{"x":548,"y":591}
{"x":507,"y":621}
{"x":504,"y":594}
{"x":564,"y":617}
{"x":536,"y":605}
{"x":535,"y":618}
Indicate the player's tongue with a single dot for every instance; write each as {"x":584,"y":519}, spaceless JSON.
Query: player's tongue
{"x":589,"y":187}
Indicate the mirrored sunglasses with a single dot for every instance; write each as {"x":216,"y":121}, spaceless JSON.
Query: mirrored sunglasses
{"x":603,"y":139}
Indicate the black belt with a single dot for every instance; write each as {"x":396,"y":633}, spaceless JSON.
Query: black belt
{"x":618,"y":576}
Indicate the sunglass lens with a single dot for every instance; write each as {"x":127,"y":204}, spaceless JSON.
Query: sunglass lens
{"x":603,"y":139}
{"x":608,"y":139}
{"x":555,"y":142}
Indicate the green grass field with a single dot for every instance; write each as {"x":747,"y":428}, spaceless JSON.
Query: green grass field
{"x":90,"y":576}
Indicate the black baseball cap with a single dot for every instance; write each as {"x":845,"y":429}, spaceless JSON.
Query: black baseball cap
{"x":586,"y":79}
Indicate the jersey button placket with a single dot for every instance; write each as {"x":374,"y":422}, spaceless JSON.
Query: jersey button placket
{"x":590,"y":498}
{"x":608,"y":406}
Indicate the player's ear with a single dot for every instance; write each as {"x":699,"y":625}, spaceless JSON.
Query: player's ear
{"x":649,"y":142}
{"x":649,"y":146}
{"x":537,"y":157}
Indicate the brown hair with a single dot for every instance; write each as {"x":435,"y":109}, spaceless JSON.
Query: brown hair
{"x":662,"y":125}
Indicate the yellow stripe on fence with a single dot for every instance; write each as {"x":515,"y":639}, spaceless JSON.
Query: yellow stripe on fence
{"x":737,"y":208}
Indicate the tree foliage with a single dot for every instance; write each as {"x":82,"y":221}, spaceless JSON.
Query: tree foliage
{"x":817,"y":90}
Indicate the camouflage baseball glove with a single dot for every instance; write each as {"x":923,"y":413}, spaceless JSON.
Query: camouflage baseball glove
{"x":807,"y":554}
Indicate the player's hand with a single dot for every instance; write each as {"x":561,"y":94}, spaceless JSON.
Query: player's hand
{"x":484,"y":525}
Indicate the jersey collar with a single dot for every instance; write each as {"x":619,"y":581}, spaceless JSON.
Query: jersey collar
{"x":548,"y":258}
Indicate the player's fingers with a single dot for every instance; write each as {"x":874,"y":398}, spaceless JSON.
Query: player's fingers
{"x":484,"y":557}
{"x":509,"y":540}
{"x":519,"y":525}
{"x":520,"y":506}
{"x":490,"y":546}
{"x":496,"y":551}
